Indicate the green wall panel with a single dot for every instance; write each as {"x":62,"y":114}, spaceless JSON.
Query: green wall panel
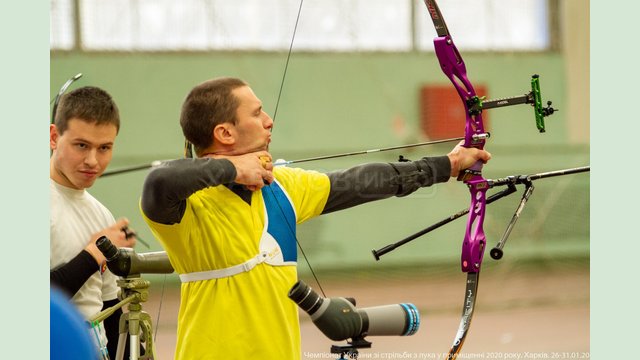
{"x":333,"y":103}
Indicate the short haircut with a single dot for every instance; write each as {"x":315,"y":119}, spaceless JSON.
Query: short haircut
{"x":208,"y":105}
{"x":89,"y":104}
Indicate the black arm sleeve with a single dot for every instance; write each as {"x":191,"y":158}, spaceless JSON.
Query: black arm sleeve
{"x":375,"y":181}
{"x":168,"y":186}
{"x":71,"y":276}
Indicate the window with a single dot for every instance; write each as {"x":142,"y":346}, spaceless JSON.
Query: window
{"x":267,"y":25}
{"x":489,"y":25}
{"x":61,"y":25}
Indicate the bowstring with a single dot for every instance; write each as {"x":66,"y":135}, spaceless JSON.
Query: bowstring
{"x":275,"y":114}
{"x":155,"y":333}
{"x":286,"y":64}
{"x":291,"y":229}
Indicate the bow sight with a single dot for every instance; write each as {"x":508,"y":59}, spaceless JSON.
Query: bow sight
{"x":534,"y":98}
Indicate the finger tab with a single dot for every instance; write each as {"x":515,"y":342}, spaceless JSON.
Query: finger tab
{"x":264,"y":160}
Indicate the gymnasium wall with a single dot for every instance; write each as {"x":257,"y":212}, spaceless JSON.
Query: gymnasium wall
{"x":334,"y":103}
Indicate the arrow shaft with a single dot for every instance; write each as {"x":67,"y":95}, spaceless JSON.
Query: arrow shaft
{"x":370,"y":151}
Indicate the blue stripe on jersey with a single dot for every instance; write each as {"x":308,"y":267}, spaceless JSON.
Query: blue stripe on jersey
{"x":282,"y":220}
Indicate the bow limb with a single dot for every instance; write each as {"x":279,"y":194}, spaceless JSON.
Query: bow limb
{"x":61,"y":92}
{"x":467,"y":314}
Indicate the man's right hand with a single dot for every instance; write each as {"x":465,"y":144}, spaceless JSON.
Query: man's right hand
{"x":115,"y":234}
{"x":254,"y":170}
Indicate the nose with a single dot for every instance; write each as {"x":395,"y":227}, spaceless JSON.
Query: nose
{"x":268,"y":122}
{"x":91,"y":159}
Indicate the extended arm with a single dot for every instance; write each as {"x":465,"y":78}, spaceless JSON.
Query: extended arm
{"x":375,"y":181}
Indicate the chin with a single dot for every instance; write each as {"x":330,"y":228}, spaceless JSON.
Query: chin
{"x":84,"y":184}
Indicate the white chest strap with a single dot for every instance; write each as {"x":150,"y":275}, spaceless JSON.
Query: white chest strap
{"x":271,"y":250}
{"x":226,"y":272}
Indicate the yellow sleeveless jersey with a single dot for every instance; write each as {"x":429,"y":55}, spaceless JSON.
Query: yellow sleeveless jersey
{"x":247,"y":315}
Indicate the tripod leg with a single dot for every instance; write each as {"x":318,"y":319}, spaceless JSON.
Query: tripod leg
{"x":134,"y":347}
{"x":147,"y":336}
{"x":134,"y":339}
{"x":129,"y":324}
{"x":121,"y":345}
{"x":122,"y":338}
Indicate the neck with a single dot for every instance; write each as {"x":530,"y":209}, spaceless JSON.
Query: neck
{"x":55,"y":175}
{"x":207,"y":152}
{"x":216,"y":150}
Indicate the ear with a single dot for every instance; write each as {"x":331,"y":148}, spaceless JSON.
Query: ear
{"x":53,"y":137}
{"x":224,"y":134}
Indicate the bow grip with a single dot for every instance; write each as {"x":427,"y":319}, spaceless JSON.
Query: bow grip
{"x":468,"y":174}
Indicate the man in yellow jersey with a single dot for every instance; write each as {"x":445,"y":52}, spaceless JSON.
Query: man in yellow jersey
{"x":227,"y":220}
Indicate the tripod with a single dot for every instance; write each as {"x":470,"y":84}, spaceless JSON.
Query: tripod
{"x":134,"y":291}
{"x":135,"y":322}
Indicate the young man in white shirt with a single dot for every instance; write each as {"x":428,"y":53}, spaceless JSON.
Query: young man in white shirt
{"x":82,"y":137}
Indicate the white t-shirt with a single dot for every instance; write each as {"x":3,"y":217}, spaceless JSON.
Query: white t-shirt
{"x":74,"y":216}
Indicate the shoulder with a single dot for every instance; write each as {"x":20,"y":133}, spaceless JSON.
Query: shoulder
{"x":97,"y":210}
{"x":307,"y":190}
{"x":292,"y":177}
{"x":302,"y":184}
{"x":90,"y":199}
